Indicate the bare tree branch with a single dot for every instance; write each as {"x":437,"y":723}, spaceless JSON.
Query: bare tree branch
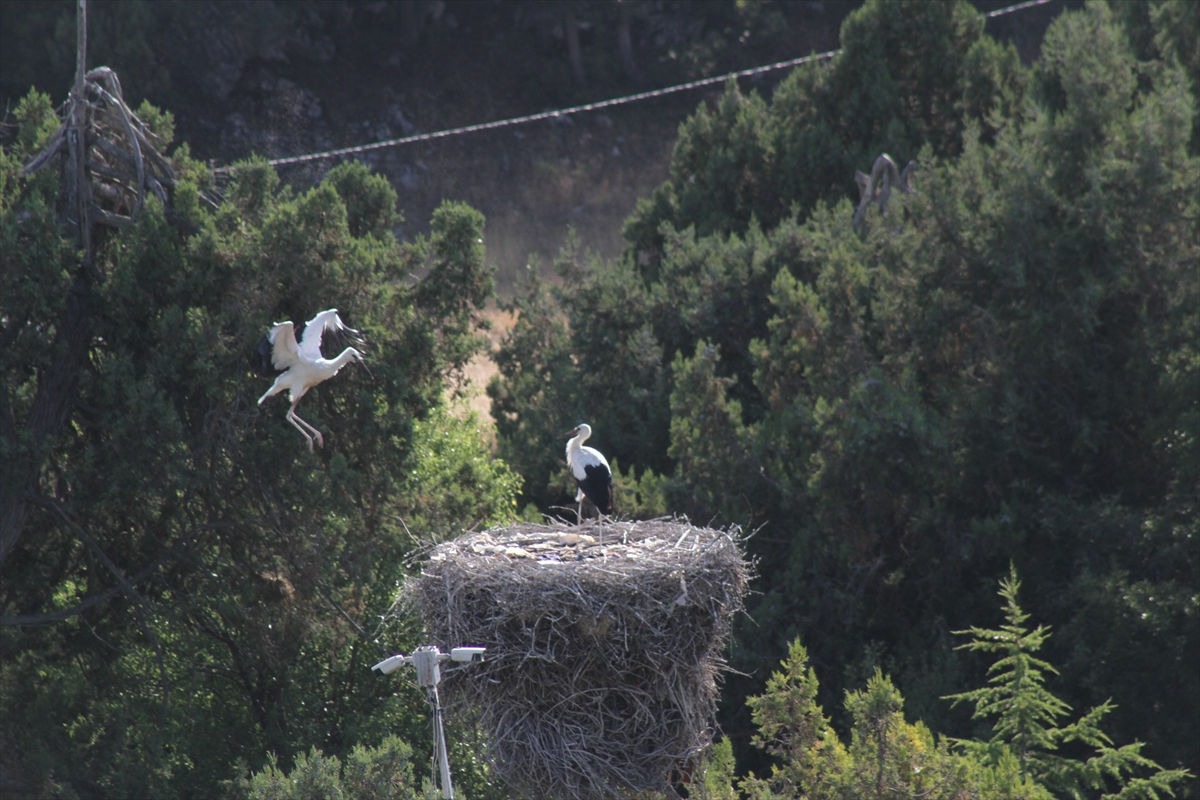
{"x":134,"y":141}
{"x":66,"y":613}
{"x":56,"y":145}
{"x":140,"y":602}
{"x":878,"y":187}
{"x":63,"y":514}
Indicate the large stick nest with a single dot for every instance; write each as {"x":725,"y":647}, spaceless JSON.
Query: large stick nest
{"x":603,"y":647}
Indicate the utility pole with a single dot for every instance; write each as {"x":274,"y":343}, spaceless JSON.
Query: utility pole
{"x":51,"y":406}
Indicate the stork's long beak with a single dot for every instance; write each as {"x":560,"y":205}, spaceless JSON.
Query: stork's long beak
{"x":363,"y":364}
{"x":569,"y":434}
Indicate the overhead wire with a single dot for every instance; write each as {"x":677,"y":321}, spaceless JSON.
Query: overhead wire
{"x":566,"y":112}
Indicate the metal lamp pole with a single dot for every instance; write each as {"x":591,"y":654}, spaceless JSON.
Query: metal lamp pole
{"x":426,"y":659}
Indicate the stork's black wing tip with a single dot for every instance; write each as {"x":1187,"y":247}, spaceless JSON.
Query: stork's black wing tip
{"x":344,"y":336}
{"x":598,"y":487}
{"x":260,"y":360}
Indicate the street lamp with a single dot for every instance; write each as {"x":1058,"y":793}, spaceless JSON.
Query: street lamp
{"x":426,"y":659}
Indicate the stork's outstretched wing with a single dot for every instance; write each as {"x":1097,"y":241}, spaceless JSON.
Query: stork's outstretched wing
{"x":314,"y":329}
{"x":284,"y":351}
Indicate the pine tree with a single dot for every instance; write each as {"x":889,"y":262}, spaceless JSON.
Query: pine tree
{"x":1027,"y":714}
{"x":888,"y":757}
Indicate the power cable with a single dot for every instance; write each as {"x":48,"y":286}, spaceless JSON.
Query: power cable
{"x":564,"y":112}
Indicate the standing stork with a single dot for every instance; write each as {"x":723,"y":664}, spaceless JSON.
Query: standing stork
{"x":302,"y":364}
{"x":590,"y":470}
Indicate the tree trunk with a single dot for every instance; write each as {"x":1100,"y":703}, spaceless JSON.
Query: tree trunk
{"x":571,"y":28}
{"x":625,"y":41}
{"x":56,"y":386}
{"x":51,"y":406}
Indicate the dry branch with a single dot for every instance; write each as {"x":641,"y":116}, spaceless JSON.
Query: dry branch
{"x":877,"y":188}
{"x":604,"y":646}
{"x":119,"y":161}
{"x":55,"y":146}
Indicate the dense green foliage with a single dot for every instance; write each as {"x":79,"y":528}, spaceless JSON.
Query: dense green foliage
{"x":910,"y":74}
{"x":1027,"y":712}
{"x":1004,"y":369}
{"x":242,"y":579}
{"x":888,"y":757}
{"x":382,"y":773}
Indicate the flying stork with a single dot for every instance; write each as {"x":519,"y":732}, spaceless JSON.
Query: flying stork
{"x":302,"y":364}
{"x":590,"y":470}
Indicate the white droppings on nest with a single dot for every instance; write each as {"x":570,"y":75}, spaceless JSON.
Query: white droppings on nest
{"x":604,"y":646}
{"x":612,"y":540}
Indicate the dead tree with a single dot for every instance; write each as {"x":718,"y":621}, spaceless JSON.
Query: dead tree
{"x":878,"y":187}
{"x":110,"y":163}
{"x":112,"y":158}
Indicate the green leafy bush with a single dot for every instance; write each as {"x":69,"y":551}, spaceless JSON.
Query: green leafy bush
{"x":192,"y":588}
{"x":377,"y":773}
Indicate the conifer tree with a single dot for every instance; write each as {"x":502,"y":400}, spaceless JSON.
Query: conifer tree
{"x":1027,"y":712}
{"x":888,"y":757}
{"x":193,"y":590}
{"x":1004,"y":370}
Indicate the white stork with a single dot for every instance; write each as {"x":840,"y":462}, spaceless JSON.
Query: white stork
{"x":590,"y":470}
{"x":302,"y":364}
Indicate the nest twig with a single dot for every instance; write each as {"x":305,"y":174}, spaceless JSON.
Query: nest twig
{"x":604,"y":646}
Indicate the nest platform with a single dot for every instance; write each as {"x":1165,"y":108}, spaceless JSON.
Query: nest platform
{"x":604,"y":645}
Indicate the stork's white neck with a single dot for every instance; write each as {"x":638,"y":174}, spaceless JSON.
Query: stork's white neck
{"x":345,"y":357}
{"x":576,"y":442}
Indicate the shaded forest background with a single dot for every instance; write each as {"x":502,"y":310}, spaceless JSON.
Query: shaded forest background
{"x":1000,"y":373}
{"x":281,"y":79}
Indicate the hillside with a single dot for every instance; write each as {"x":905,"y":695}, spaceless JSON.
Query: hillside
{"x":285,"y":79}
